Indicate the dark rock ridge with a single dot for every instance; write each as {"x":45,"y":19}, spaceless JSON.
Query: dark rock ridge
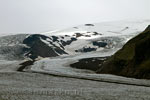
{"x":68,"y":42}
{"x":99,"y":44}
{"x":86,"y":49}
{"x":25,"y":65}
{"x":40,"y":46}
{"x":133,"y":60}
{"x":89,"y":63}
{"x":89,"y":24}
{"x":78,"y":35}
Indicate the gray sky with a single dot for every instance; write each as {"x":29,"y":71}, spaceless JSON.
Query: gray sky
{"x":44,"y":15}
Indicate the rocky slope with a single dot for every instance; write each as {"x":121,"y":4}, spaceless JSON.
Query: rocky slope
{"x":133,"y":60}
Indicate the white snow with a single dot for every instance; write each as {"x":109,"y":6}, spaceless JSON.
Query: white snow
{"x":115,"y":28}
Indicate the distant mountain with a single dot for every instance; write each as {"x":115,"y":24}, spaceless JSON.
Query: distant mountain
{"x":133,"y":60}
{"x":88,"y":38}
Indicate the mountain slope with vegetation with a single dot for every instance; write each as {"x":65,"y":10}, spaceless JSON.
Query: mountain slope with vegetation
{"x":133,"y":60}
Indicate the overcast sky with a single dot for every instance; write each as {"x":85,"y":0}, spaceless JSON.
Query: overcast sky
{"x":44,"y":15}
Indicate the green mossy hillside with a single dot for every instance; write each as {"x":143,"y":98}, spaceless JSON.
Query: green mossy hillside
{"x":133,"y":60}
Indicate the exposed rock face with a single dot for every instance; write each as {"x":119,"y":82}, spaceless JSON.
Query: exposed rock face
{"x":99,"y":44}
{"x":37,"y":47}
{"x":133,"y":60}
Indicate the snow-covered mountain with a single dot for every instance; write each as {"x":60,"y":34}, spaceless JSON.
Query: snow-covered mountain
{"x":87,"y":38}
{"x":114,"y":28}
{"x":100,"y":36}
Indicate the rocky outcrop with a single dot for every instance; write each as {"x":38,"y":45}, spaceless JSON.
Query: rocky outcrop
{"x":39,"y":46}
{"x":89,"y":63}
